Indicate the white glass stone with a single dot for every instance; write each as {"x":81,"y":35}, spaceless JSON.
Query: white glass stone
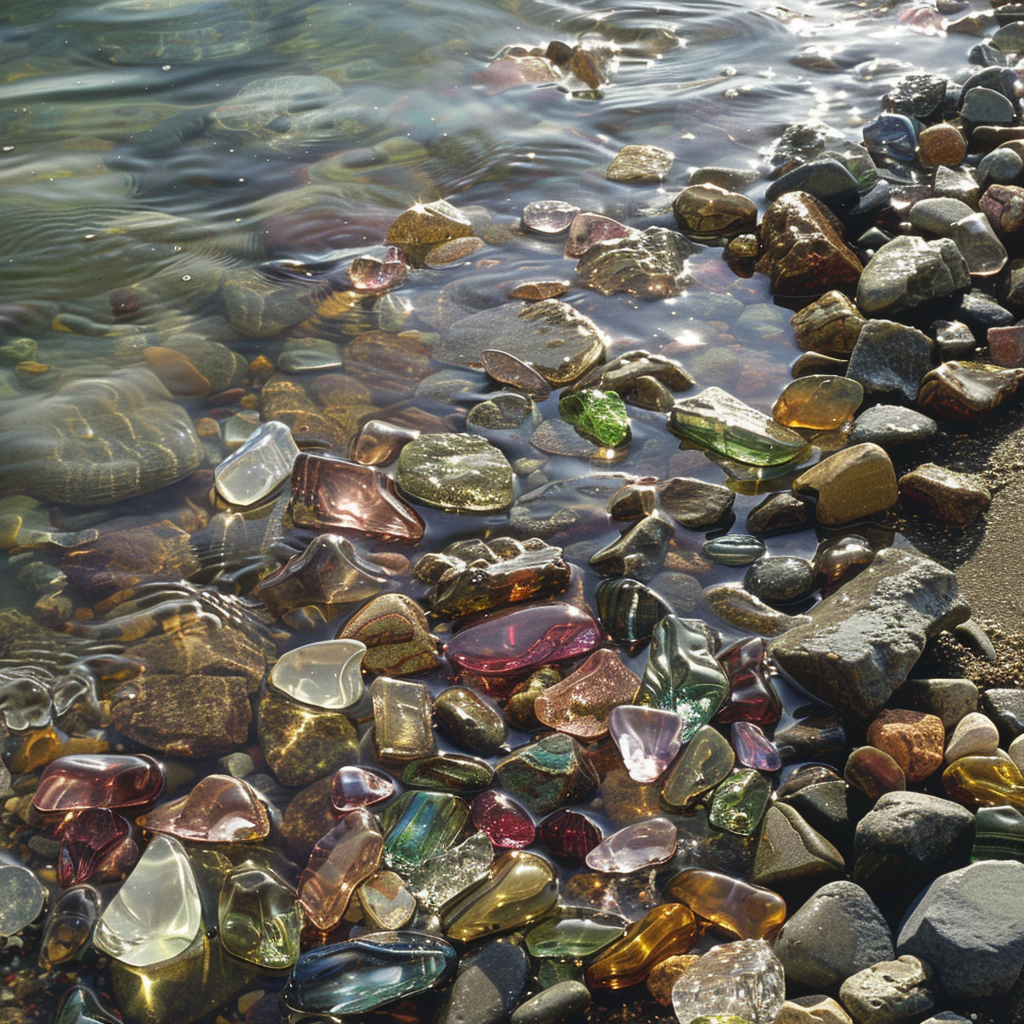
{"x":637,"y":846}
{"x":326,"y":675}
{"x":259,"y":466}
{"x":156,"y":914}
{"x":648,"y":739}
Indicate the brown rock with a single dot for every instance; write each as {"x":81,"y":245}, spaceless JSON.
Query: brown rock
{"x":397,"y":637}
{"x":1004,"y":207}
{"x":641,"y":164}
{"x":778,"y":512}
{"x":852,"y":484}
{"x":964,"y":392}
{"x":813,"y":1010}
{"x":914,"y":740}
{"x":429,"y":224}
{"x":712,"y":211}
{"x":830,"y":325}
{"x":309,"y":816}
{"x":664,"y":975}
{"x":945,"y":494}
{"x":941,"y":145}
{"x":873,"y":772}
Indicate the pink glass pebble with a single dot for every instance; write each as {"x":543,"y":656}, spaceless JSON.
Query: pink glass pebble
{"x":354,"y":787}
{"x":648,"y":739}
{"x":95,"y":844}
{"x":369,"y":274}
{"x":635,"y":847}
{"x":753,"y":748}
{"x":219,"y":809}
{"x":503,"y":821}
{"x":80,"y":781}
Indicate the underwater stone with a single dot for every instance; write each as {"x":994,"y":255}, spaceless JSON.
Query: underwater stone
{"x":259,"y":917}
{"x":456,"y":473}
{"x":326,"y":675}
{"x":548,"y":774}
{"x":598,"y":416}
{"x":259,"y":466}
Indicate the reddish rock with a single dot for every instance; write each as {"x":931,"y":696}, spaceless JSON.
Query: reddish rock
{"x":913,"y":739}
{"x":1006,"y":345}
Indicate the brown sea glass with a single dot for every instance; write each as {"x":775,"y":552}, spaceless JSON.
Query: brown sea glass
{"x":402,"y":721}
{"x":741,"y":910}
{"x":752,"y":697}
{"x":80,"y":781}
{"x":379,"y":442}
{"x":353,"y":787}
{"x":581,"y":703}
{"x":96,"y":845}
{"x":332,"y":494}
{"x":220,"y":809}
{"x":664,"y":931}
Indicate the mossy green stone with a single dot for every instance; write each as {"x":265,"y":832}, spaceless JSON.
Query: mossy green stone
{"x":456,"y":473}
{"x":740,"y":802}
{"x":451,"y":773}
{"x":598,"y":416}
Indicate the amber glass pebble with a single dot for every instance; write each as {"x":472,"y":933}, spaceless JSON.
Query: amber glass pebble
{"x":741,"y":910}
{"x":664,"y":931}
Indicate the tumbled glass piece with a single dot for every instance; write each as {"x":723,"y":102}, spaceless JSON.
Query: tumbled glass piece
{"x":369,"y":274}
{"x":520,"y":639}
{"x":352,"y":787}
{"x":419,"y":825}
{"x":331,"y":494}
{"x":21,"y":898}
{"x":259,"y":466}
{"x":724,"y":425}
{"x":587,"y":229}
{"x":470,"y":720}
{"x":92,"y":841}
{"x":386,"y":901}
{"x":349,"y":854}
{"x":703,"y":764}
{"x":891,"y":136}
{"x":547,"y":774}
{"x":362,"y":974}
{"x":259,"y":917}
{"x":575,"y":933}
{"x":745,"y":978}
{"x":69,"y":925}
{"x":439,"y":879}
{"x":999,"y":834}
{"x":629,"y":610}
{"x":648,"y":739}
{"x":379,"y":442}
{"x":402,"y":725}
{"x":456,"y":473}
{"x":79,"y":781}
{"x":219,"y":809}
{"x":874,"y":772}
{"x":664,"y":931}
{"x":739,"y":803}
{"x":599,"y":416}
{"x":507,"y":825}
{"x":734,"y":549}
{"x":324,"y":675}
{"x":742,"y":910}
{"x":506,"y":368}
{"x":985,"y":781}
{"x":156,"y":913}
{"x":818,"y":402}
{"x":637,"y":846}
{"x":521,"y":888}
{"x":449,"y":773}
{"x":752,"y":696}
{"x":549,"y":216}
{"x":753,"y":748}
{"x":569,"y":835}
{"x":80,"y":1006}
{"x":581,"y":703}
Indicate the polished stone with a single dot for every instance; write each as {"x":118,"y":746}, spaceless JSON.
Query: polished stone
{"x":398,"y":640}
{"x":503,"y":821}
{"x":648,"y":739}
{"x":419,"y":825}
{"x":402,"y":722}
{"x":664,"y":931}
{"x":548,"y":774}
{"x":456,"y":473}
{"x":69,"y":925}
{"x":753,"y":748}
{"x":326,"y":675}
{"x":581,"y":703}
{"x":259,"y":466}
{"x":575,"y":933}
{"x":219,"y":809}
{"x":95,"y":845}
{"x":739,"y":803}
{"x":260,"y":920}
{"x":739,"y":909}
{"x":353,"y":787}
{"x":77,"y":782}
{"x":470,"y":720}
{"x":641,"y":845}
{"x":704,"y":763}
{"x":742,"y":977}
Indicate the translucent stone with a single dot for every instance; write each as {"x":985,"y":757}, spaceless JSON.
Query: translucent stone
{"x":744,"y":978}
{"x":664,"y":931}
{"x":379,"y":442}
{"x":641,"y":845}
{"x":547,"y":774}
{"x":79,"y":1006}
{"x":875,"y":772}
{"x":419,"y":825}
{"x":520,"y":639}
{"x":69,"y":925}
{"x":349,"y":854}
{"x":353,"y":787}
{"x":753,"y":748}
{"x":752,"y":697}
{"x":734,"y":549}
{"x":331,"y":494}
{"x":598,"y":416}
{"x":818,"y":402}
{"x":456,"y":473}
{"x":581,"y":703}
{"x":386,"y":901}
{"x":219,"y":809}
{"x":629,"y":611}
{"x":259,"y":917}
{"x":507,"y":825}
{"x":587,"y":229}
{"x":549,"y":216}
{"x":439,"y":879}
{"x":21,"y":898}
{"x":402,"y":724}
{"x":739,"y":803}
{"x":259,"y":466}
{"x":506,"y":368}
{"x":97,"y":844}
{"x":80,"y":781}
{"x":724,"y":425}
{"x":369,"y":274}
{"x":569,"y":836}
{"x":648,"y":739}
{"x":470,"y":720}
{"x":574,"y":934}
{"x":325,"y":675}
{"x":742,"y":910}
{"x":704,"y":763}
{"x":521,"y":888}
{"x":365,"y":973}
{"x":156,"y":913}
{"x":449,"y":773}
{"x":985,"y":781}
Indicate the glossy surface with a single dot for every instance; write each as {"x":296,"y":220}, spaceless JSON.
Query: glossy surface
{"x":739,"y":803}
{"x":420,"y":825}
{"x":259,"y":466}
{"x":353,"y":787}
{"x":741,"y":910}
{"x":753,"y":748}
{"x":599,"y":416}
{"x":985,"y":781}
{"x":69,"y":925}
{"x":547,"y":774}
{"x":752,"y":696}
{"x":574,"y":934}
{"x":80,"y":781}
{"x":219,"y":809}
{"x":664,"y":931}
{"x":402,"y":724}
{"x":326,"y":675}
{"x":635,"y":847}
{"x":505,"y":823}
{"x":703,"y":764}
{"x":648,"y":739}
{"x":259,"y":917}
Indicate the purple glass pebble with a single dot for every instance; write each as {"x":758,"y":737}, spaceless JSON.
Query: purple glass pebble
{"x":753,"y":748}
{"x":635,"y":847}
{"x":648,"y":739}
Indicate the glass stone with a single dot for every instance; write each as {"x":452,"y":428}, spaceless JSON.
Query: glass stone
{"x":664,"y":931}
{"x":156,"y":913}
{"x":891,"y":136}
{"x":80,"y":781}
{"x":734,"y":549}
{"x":397,"y":637}
{"x":549,"y":216}
{"x":873,"y":772}
{"x":363,"y":974}
{"x":752,"y":697}
{"x":470,"y":720}
{"x":999,"y":834}
{"x":648,"y":739}
{"x":370,"y":274}
{"x":326,"y":675}
{"x":386,"y":901}
{"x":456,"y":473}
{"x":598,"y":416}
{"x":985,"y":781}
{"x":419,"y":825}
{"x":569,"y":836}
{"x":507,"y":825}
{"x":80,"y":1006}
{"x":69,"y":926}
{"x":587,"y":229}
{"x":641,"y":845}
{"x":724,"y":425}
{"x":629,"y":611}
{"x":574,"y":934}
{"x":745,"y":978}
{"x":818,"y":402}
{"x":379,"y":442}
{"x":402,"y":725}
{"x":332,"y":494}
{"x":753,"y":748}
{"x":259,"y":917}
{"x":219,"y":809}
{"x":518,"y":640}
{"x":581,"y":703}
{"x":521,"y":888}
{"x":439,"y":879}
{"x":508,"y":369}
{"x":259,"y":466}
{"x":349,"y":854}
{"x":682,"y":675}
{"x":742,"y":910}
{"x":547,"y":774}
{"x":705,"y":762}
{"x":449,"y":773}
{"x":21,"y":898}
{"x":739,"y":803}
{"x":96,"y":843}
{"x":353,"y":787}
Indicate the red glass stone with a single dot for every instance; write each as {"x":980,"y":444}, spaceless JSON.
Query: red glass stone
{"x":522,"y":639}
{"x":332,"y":494}
{"x":569,"y":836}
{"x":80,"y":781}
{"x":95,"y":844}
{"x":353,"y":787}
{"x":752,"y":697}
{"x":503,"y":821}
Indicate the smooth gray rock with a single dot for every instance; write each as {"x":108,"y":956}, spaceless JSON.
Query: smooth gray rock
{"x":825,"y":179}
{"x":889,"y":425}
{"x":894,"y":992}
{"x":937,"y":216}
{"x":1005,"y":706}
{"x":1001,"y":167}
{"x":948,"y":699}
{"x":864,"y":639}
{"x":908,"y":271}
{"x":790,"y":852}
{"x":969,"y":925}
{"x":780,"y":579}
{"x":488,"y":985}
{"x":554,"y":1004}
{"x":986,"y":106}
{"x":836,"y":933}
{"x":909,"y":837}
{"x":890,"y":359}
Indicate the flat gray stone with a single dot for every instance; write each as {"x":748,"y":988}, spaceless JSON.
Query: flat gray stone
{"x":488,"y":985}
{"x":908,"y":271}
{"x":894,"y":992}
{"x":937,"y":216}
{"x":554,"y":1004}
{"x":890,"y":425}
{"x":890,"y":359}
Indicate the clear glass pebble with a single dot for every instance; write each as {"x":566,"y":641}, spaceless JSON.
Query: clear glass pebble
{"x":260,"y":919}
{"x":325,"y":675}
{"x":259,"y":466}
{"x":635,"y":847}
{"x":648,"y":739}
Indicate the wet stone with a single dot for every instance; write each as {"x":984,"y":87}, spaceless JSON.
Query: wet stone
{"x":816,"y":734}
{"x":705,"y":762}
{"x":640,"y":552}
{"x":470,"y":720}
{"x":739,"y":803}
{"x":258,"y":917}
{"x":420,"y":826}
{"x":448,"y":773}
{"x":547,"y":774}
{"x":505,"y":823}
{"x":890,"y":359}
{"x":549,"y":216}
{"x":975,"y":735}
{"x":964,"y":392}
{"x":553,"y":1005}
{"x":353,"y":787}
{"x":734,"y":549}
{"x":487,"y":986}
{"x":944,"y":494}
{"x":259,"y":466}
{"x":651,"y":264}
{"x":326,"y":675}
{"x":394,"y":630}
{"x":403,"y":726}
{"x":648,"y":739}
{"x":999,"y":834}
{"x":664,"y":931}
{"x":640,"y":845}
{"x":534,"y":291}
{"x":21,"y":898}
{"x":455,"y":472}
{"x":707,"y":210}
{"x":625,"y":373}
{"x":790,"y":852}
{"x":873,"y":772}
{"x":506,"y":368}
{"x":818,"y":402}
{"x":219,"y":809}
{"x":908,"y":271}
{"x":737,"y":606}
{"x":780,"y":579}
{"x":852,"y":484}
{"x":830,"y":325}
{"x":739,"y":909}
{"x":742,"y":977}
{"x":598,"y":416}
{"x":640,"y":164}
{"x":581,"y":703}
{"x":891,"y":425}
{"x":589,"y":229}
{"x":941,"y":145}
{"x":913,"y":739}
{"x":693,"y":503}
{"x":428,"y":224}
{"x":300,"y":743}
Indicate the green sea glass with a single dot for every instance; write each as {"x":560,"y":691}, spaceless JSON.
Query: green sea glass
{"x":450,"y":773}
{"x":80,"y":1006}
{"x":724,"y":425}
{"x":999,"y":834}
{"x":574,"y":934}
{"x":740,"y":802}
{"x":703,"y":764}
{"x":548,"y":774}
{"x":260,"y":920}
{"x":420,"y":825}
{"x":598,"y":416}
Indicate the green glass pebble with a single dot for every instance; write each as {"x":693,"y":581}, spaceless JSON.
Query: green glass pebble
{"x":734,"y":549}
{"x":450,"y":773}
{"x":470,"y":720}
{"x":558,"y":972}
{"x":80,"y":1006}
{"x":456,"y":473}
{"x":598,"y":416}
{"x":999,"y":834}
{"x":420,"y":825}
{"x":724,"y":425}
{"x":682,"y":674}
{"x":574,"y":934}
{"x":259,"y":916}
{"x":703,"y":764}
{"x":629,"y":610}
{"x":740,"y":802}
{"x":720,"y":1018}
{"x":548,"y":774}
